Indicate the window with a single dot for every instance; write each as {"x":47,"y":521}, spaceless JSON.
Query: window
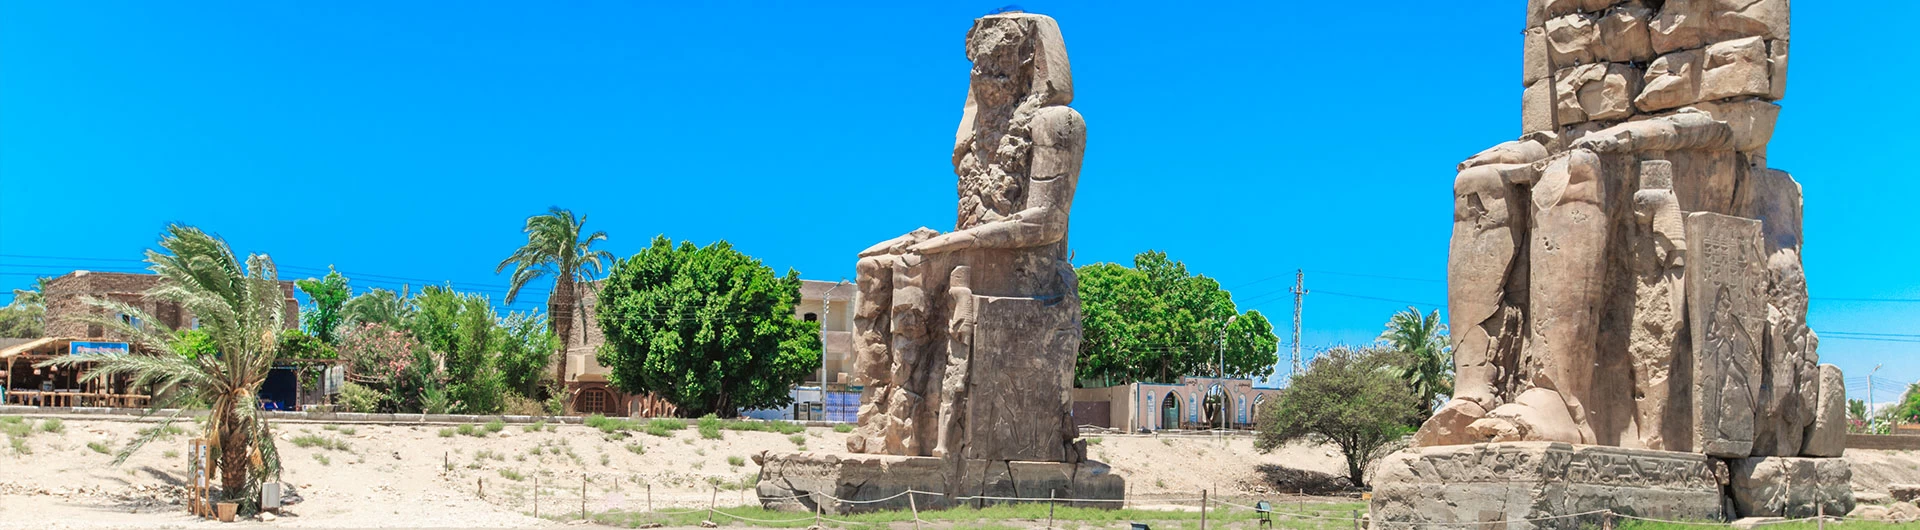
{"x":810,"y":317}
{"x":593,"y":401}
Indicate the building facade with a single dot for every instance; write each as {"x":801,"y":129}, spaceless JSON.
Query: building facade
{"x":67,"y":297}
{"x":1194,"y":403}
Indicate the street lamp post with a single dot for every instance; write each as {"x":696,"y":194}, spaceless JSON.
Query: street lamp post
{"x":1223,"y":372}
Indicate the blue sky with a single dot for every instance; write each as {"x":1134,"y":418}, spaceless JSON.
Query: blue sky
{"x":407,"y":141}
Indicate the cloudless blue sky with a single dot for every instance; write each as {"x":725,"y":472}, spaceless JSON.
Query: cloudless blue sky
{"x":408,"y":141}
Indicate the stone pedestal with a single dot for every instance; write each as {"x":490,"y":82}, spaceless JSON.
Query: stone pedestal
{"x":1791,"y":487}
{"x":803,"y":481}
{"x":1462,"y":486}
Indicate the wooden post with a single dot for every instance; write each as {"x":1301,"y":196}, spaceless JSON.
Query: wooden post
{"x":1203,"y":509}
{"x":1821,"y":511}
{"x":583,"y":496}
{"x":1050,"y":495}
{"x":816,"y":514}
{"x":710,"y":504}
{"x":649,"y":496}
{"x":536,"y":496}
{"x":911,"y":504}
{"x":1356,"y":520}
{"x":480,"y":485}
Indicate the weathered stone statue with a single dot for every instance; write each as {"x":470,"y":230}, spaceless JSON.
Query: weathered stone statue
{"x":1626,"y":276}
{"x":965,"y":341}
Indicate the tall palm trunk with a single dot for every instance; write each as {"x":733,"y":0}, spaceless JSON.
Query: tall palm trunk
{"x":560,"y":321}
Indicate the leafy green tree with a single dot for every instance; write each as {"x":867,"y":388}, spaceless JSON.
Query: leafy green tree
{"x":239,"y":306}
{"x":1908,"y":408}
{"x":297,"y":344}
{"x":1857,"y":410}
{"x":707,"y":328}
{"x":557,"y":246}
{"x":461,"y":327}
{"x":1352,"y":399}
{"x":26,"y":316}
{"x":379,"y":306}
{"x":526,"y":349}
{"x":1156,"y":321}
{"x":1422,"y":341}
{"x":193,"y":344}
{"x":327,"y":298}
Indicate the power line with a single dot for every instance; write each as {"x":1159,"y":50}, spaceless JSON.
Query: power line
{"x":1379,"y":276}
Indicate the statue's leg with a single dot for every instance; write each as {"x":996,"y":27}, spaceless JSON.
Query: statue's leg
{"x":910,"y":337}
{"x":1480,"y":272}
{"x":1568,"y":274}
{"x":873,"y":358}
{"x":959,"y":351}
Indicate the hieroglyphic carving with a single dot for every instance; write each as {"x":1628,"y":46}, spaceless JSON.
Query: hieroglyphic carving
{"x":1726,"y":285}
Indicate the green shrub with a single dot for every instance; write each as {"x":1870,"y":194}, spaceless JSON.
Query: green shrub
{"x":53,"y":425}
{"x":322,"y":459}
{"x":710,"y":427}
{"x":512,"y":475}
{"x":348,"y":431}
{"x":843,"y":428}
{"x":314,"y":440}
{"x":162,"y":432}
{"x":798,"y":439}
{"x":358,"y":398}
{"x":469,"y":430}
{"x":736,"y":461}
{"x":98,"y":447}
{"x":496,"y":426}
{"x":446,"y":432}
{"x":636,"y":448}
{"x":534,"y":427}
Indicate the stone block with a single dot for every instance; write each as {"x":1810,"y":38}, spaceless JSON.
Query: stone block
{"x":1536,"y":107}
{"x":1904,"y":492}
{"x":1687,"y":24}
{"x":1623,"y":34}
{"x":804,"y":481}
{"x":1554,"y":8}
{"x":1777,"y":63}
{"x":1735,"y":68}
{"x":1792,"y":487}
{"x":1533,"y":57}
{"x":1464,"y":486}
{"x":1828,"y":437}
{"x":1673,"y":80}
{"x":1572,"y":39}
{"x":1595,"y":92}
{"x":1726,"y":304}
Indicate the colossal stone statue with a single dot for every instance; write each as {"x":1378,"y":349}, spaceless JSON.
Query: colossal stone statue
{"x":997,"y":350}
{"x":1627,"y":273}
{"x":965,"y":341}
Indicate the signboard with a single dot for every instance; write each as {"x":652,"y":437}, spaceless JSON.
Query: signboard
{"x":97,"y":348}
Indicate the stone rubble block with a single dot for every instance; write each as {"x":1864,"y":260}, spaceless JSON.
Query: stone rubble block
{"x":1536,"y":107}
{"x":1533,"y":60}
{"x":1735,"y":68}
{"x":1791,"y":487}
{"x":1724,"y":70}
{"x":1595,"y":92}
{"x":1777,"y":62}
{"x":1828,"y":438}
{"x":1688,"y":24}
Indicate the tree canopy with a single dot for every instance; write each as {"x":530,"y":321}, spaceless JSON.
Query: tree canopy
{"x":26,"y":316}
{"x":1353,"y":399}
{"x":1155,"y":321}
{"x":709,"y":329}
{"x":1421,"y":341}
{"x":327,"y":297}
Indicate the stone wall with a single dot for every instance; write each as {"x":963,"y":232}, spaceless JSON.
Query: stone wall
{"x":67,"y":298}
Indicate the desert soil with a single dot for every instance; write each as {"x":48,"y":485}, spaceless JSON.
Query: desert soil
{"x":388,"y":476}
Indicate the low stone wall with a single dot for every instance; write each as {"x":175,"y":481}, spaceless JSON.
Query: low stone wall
{"x":1884,"y":442}
{"x":307,"y":416}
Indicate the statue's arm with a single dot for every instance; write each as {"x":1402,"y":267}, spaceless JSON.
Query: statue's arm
{"x":1059,"y":141}
{"x":1684,"y":131}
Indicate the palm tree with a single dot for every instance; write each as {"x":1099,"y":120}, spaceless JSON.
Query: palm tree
{"x":555,"y":247}
{"x":240,"y":306}
{"x":1423,"y":341}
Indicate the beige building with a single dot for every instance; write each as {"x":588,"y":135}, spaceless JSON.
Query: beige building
{"x":829,"y":303}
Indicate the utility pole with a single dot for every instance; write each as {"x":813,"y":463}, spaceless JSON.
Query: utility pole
{"x":1223,"y":372}
{"x":1299,"y":295}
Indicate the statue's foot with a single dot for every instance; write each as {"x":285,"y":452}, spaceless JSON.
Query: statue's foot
{"x":1449,"y":425}
{"x":1537,"y":415}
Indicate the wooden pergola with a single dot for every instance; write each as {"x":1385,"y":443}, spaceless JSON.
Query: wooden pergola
{"x":58,"y":387}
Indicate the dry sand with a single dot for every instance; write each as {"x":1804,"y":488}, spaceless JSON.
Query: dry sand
{"x":397,"y":475}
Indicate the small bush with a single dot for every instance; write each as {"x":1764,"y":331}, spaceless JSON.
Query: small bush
{"x":798,"y":439}
{"x":322,"y":459}
{"x":348,"y":431}
{"x":534,"y":427}
{"x":636,"y":448}
{"x":314,"y":440}
{"x":496,"y":426}
{"x":469,"y":430}
{"x":843,"y":428}
{"x":10,"y":420}
{"x":330,"y":427}
{"x":512,"y":475}
{"x":1093,"y":442}
{"x":446,"y":432}
{"x":736,"y":461}
{"x":170,"y":454}
{"x":98,"y":447}
{"x":19,"y":445}
{"x":604,"y":459}
{"x":162,"y":432}
{"x":710,"y":427}
{"x":53,"y":425}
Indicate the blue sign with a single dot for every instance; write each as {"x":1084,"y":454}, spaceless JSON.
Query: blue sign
{"x":97,"y":348}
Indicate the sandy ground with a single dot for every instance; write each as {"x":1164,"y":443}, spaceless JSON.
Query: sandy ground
{"x":410,"y":476}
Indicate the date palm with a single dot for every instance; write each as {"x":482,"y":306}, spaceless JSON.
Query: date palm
{"x":1422,"y":341}
{"x":241,"y":307}
{"x":556,"y":247}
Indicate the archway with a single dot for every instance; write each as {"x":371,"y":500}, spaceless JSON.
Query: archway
{"x":1216,"y":407}
{"x":596,"y":401}
{"x":1170,"y":411}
